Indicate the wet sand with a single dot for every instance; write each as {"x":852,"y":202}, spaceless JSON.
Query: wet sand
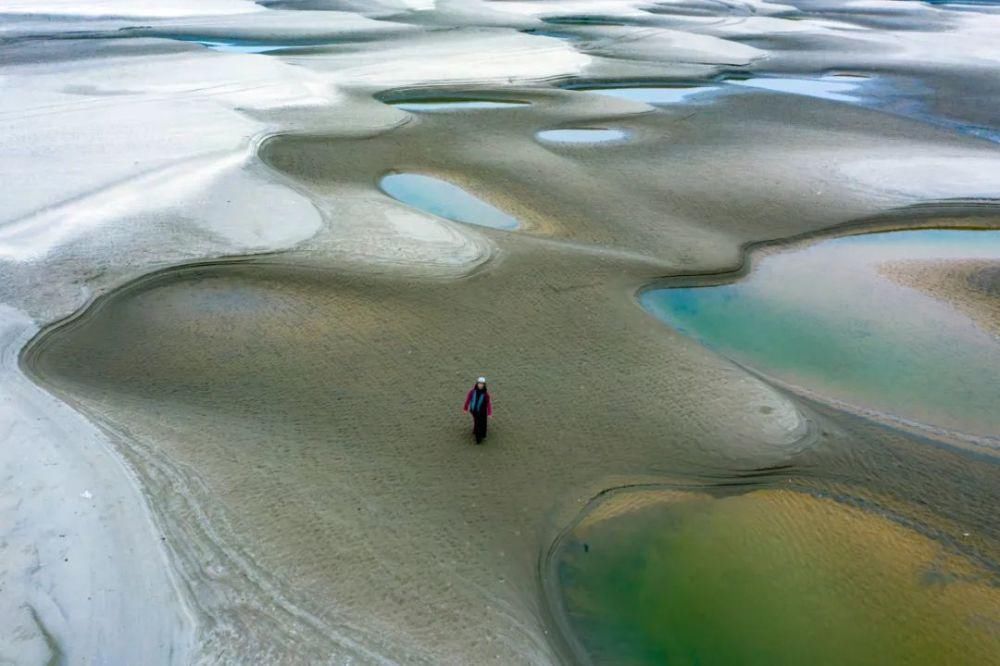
{"x":277,"y":350}
{"x":321,"y":451}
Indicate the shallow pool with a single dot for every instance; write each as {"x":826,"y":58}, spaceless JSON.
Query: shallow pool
{"x":582,"y":135}
{"x":768,"y":578}
{"x":837,"y":87}
{"x":444,"y":199}
{"x":828,"y":317}
{"x":454,"y":104}
{"x":654,"y":95}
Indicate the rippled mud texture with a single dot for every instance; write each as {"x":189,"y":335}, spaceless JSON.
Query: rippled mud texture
{"x":769,"y":577}
{"x":860,"y":338}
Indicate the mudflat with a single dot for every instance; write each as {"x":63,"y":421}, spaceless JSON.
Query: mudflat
{"x":255,"y":357}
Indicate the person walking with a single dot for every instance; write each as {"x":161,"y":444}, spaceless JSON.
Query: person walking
{"x":478,"y":403}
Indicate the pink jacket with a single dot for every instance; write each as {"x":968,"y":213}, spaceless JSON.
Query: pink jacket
{"x":489,"y":402}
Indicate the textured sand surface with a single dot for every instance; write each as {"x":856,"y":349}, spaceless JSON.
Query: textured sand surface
{"x":259,"y":380}
{"x":971,"y":286}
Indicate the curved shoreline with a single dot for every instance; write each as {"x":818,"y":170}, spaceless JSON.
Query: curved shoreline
{"x":945,"y":216}
{"x":208,"y":594}
{"x":93,"y":498}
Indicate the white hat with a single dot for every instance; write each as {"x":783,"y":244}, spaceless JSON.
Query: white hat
{"x":481,"y":379}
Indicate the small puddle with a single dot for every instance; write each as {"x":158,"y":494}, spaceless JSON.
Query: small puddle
{"x":837,"y":87}
{"x":766,"y":578}
{"x":654,"y":95}
{"x":441,"y":198}
{"x":453,"y":104}
{"x":848,"y":318}
{"x":240,"y":45}
{"x":582,"y":135}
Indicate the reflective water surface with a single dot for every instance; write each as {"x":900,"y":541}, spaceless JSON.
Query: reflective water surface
{"x":441,"y":198}
{"x":655,"y":95}
{"x":837,"y":87}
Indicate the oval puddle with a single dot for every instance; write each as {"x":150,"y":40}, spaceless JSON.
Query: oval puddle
{"x":654,"y":95}
{"x":582,"y":135}
{"x":432,"y":104}
{"x":444,"y":199}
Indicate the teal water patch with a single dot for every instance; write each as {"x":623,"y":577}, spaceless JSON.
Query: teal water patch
{"x":454,"y":104}
{"x":823,"y":317}
{"x":444,"y":199}
{"x":582,"y":135}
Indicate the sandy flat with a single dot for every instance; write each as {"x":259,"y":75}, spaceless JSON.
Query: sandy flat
{"x":260,"y":390}
{"x":971,"y":286}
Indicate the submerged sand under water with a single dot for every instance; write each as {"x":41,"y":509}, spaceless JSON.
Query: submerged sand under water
{"x":972,"y":286}
{"x":767,"y":577}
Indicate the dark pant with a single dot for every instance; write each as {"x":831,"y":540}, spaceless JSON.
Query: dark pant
{"x":479,"y":425}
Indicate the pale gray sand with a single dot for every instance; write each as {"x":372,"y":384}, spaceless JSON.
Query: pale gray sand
{"x":80,"y":559}
{"x":302,"y":520}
